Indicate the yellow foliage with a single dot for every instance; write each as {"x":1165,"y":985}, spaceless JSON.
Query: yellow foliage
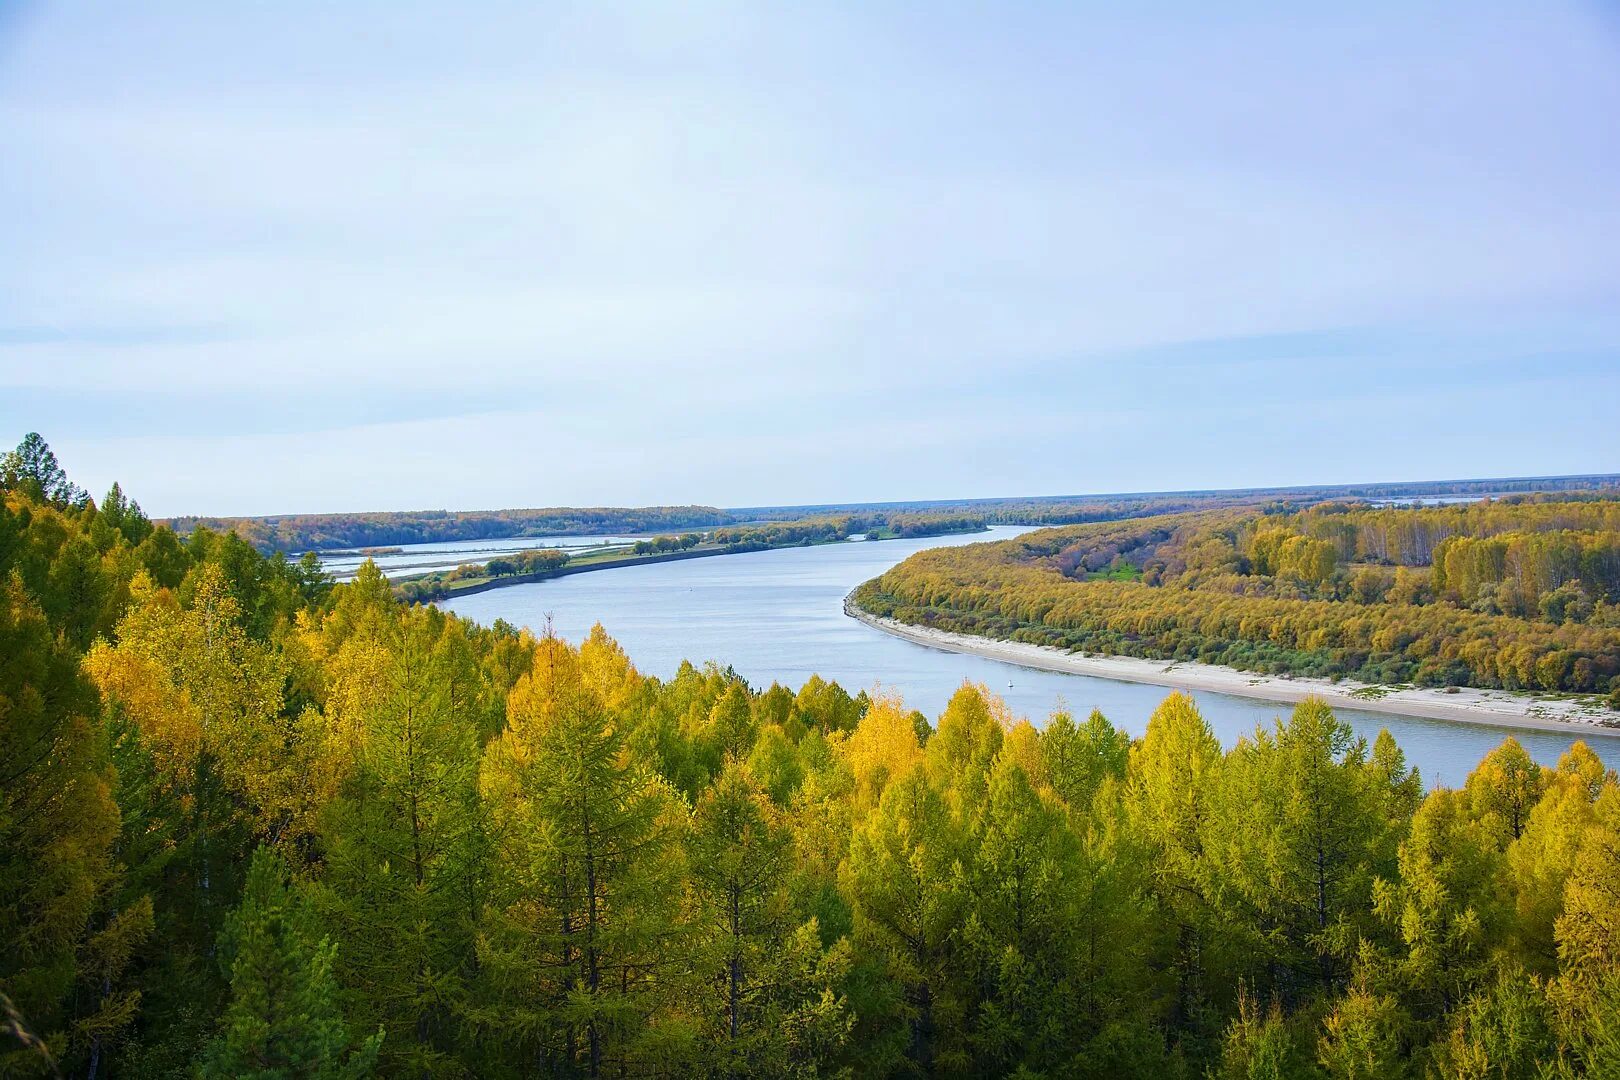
{"x":607,"y":671}
{"x":881,"y":749}
{"x":1022,"y":747}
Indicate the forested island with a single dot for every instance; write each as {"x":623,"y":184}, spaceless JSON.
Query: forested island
{"x":1518,"y":593}
{"x":524,"y":567}
{"x":254,"y":823}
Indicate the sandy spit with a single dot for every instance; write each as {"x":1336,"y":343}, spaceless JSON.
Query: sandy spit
{"x":1581,"y":716}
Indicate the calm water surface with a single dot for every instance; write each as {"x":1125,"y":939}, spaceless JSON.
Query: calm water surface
{"x":446,"y":555}
{"x":778,"y":615}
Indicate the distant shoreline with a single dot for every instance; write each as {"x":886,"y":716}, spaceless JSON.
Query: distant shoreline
{"x":568,"y":569}
{"x":1496,"y":708}
{"x":565,"y":570}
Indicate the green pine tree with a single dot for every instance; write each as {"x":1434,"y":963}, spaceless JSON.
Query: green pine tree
{"x":283,"y":1019}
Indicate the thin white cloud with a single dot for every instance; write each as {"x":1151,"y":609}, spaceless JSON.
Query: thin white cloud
{"x":652,"y":223}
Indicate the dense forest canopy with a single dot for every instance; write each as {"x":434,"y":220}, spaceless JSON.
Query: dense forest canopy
{"x":252,"y":823}
{"x":1518,"y":593}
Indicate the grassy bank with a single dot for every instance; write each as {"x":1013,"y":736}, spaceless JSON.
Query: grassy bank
{"x":427,"y":588}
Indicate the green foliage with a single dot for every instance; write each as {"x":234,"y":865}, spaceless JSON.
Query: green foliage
{"x":404,"y":848}
{"x":1081,"y":759}
{"x":254,"y":824}
{"x":824,"y":529}
{"x":283,"y":1019}
{"x":32,"y":470}
{"x":58,"y":823}
{"x":1294,"y":849}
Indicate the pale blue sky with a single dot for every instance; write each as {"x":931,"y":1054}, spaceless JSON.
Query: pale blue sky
{"x":270,"y":258}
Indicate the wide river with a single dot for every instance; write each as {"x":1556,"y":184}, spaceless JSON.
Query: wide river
{"x":778,"y":616}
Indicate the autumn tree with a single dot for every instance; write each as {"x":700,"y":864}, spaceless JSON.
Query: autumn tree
{"x":584,"y":897}
{"x":1173,"y":772}
{"x":404,"y":852}
{"x":1444,"y":909}
{"x":1021,"y":872}
{"x":1081,"y":758}
{"x":1504,"y":788}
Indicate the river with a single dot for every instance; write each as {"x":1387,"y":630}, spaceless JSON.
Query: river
{"x":778,"y":616}
{"x":404,"y":560}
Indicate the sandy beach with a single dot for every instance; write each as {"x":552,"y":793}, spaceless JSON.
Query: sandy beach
{"x":1580,"y":716}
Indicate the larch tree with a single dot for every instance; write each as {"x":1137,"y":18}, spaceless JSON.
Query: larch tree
{"x":213,"y":766}
{"x":1292,"y":845}
{"x":1173,"y":773}
{"x":1588,"y":930}
{"x":1365,"y":1036}
{"x":207,"y":698}
{"x":961,"y":753}
{"x":883,"y":746}
{"x":1443,"y":910}
{"x":1541,"y":860}
{"x":772,"y":1005}
{"x":1081,"y":757}
{"x":1505,"y":1030}
{"x":1021,"y":877}
{"x":898,"y":878}
{"x":404,"y":854}
{"x":730,"y":730}
{"x":585,"y":900}
{"x":1504,"y":788}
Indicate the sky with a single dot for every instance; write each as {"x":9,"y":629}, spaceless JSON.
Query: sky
{"x":315,"y":257}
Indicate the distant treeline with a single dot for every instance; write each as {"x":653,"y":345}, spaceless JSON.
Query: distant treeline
{"x":662,"y":544}
{"x":321,"y":532}
{"x":443,"y":583}
{"x":326,"y":532}
{"x":821,"y":530}
{"x":1077,"y":509}
{"x":1521,"y":593}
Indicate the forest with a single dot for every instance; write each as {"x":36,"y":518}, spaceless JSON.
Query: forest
{"x":1080,"y":509}
{"x":1519,"y":593}
{"x":322,"y":532}
{"x":256,"y":824}
{"x":294,"y":533}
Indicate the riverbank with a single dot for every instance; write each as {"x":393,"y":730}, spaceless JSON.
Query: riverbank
{"x":589,"y":563}
{"x":1469,"y":706}
{"x":482,"y":585}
